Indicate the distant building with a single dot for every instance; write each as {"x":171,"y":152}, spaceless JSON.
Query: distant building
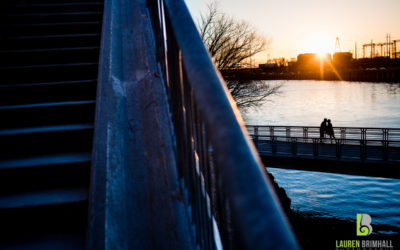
{"x":268,"y":66}
{"x":311,"y":63}
{"x":342,"y":60}
{"x":306,"y":58}
{"x":308,"y":63}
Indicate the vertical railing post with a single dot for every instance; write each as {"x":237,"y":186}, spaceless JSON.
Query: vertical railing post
{"x":154,"y":8}
{"x":363,"y":144}
{"x":274,"y":144}
{"x":338,"y":148}
{"x":343,"y":133}
{"x":385,"y":150}
{"x":385,"y":134}
{"x":305,"y":134}
{"x":363,"y":149}
{"x":271,"y":131}
{"x":315,"y":146}
{"x":294,"y":146}
{"x":363,"y":134}
{"x":287,"y":133}
{"x":256,"y":136}
{"x":385,"y":144}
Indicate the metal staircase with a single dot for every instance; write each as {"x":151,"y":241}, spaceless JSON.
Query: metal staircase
{"x":49,"y":54}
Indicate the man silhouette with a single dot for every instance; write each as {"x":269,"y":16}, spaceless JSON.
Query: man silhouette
{"x":322,"y":129}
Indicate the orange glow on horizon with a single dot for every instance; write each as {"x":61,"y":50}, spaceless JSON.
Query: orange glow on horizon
{"x":320,"y":45}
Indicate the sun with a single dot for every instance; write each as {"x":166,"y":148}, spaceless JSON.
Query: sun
{"x":319,"y":45}
{"x":321,"y":54}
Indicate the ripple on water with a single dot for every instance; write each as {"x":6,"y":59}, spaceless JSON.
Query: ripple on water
{"x":342,"y":196}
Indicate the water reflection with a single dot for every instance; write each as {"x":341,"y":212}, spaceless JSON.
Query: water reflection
{"x":345,"y":103}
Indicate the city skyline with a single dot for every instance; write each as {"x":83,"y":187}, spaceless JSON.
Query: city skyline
{"x":311,"y":26}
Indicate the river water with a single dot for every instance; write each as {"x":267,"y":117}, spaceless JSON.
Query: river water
{"x":351,"y":104}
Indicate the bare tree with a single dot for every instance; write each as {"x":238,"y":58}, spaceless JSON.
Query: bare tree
{"x":253,"y":93}
{"x":231,"y":43}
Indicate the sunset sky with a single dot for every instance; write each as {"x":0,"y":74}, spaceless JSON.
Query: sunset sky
{"x":300,"y":26}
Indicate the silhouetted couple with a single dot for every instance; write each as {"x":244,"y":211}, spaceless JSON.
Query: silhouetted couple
{"x":326,"y":128}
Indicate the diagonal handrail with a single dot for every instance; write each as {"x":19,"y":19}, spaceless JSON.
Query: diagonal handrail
{"x":215,"y":156}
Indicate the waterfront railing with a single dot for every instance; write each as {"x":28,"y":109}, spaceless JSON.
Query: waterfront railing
{"x":376,"y":144}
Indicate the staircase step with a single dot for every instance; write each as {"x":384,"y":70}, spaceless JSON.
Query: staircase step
{"x":30,"y":7}
{"x":76,"y":16}
{"x":47,"y":114}
{"x":59,"y":242}
{"x":47,"y":66}
{"x":61,"y":173}
{"x":46,"y":141}
{"x":47,"y":160}
{"x":45,"y":197}
{"x":48,"y":129}
{"x":12,"y":2}
{"x":27,"y":224}
{"x":50,"y":41}
{"x":43,"y":29}
{"x":48,"y":56}
{"x":48,"y":72}
{"x":14,"y":94}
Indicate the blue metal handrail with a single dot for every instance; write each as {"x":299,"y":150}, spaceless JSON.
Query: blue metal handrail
{"x":222,"y":174}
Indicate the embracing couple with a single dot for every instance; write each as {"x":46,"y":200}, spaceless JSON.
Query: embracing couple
{"x":326,"y":128}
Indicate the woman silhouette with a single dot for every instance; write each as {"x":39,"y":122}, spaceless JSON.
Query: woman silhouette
{"x":329,"y":130}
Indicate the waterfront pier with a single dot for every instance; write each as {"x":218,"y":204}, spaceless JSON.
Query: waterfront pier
{"x":354,"y":150}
